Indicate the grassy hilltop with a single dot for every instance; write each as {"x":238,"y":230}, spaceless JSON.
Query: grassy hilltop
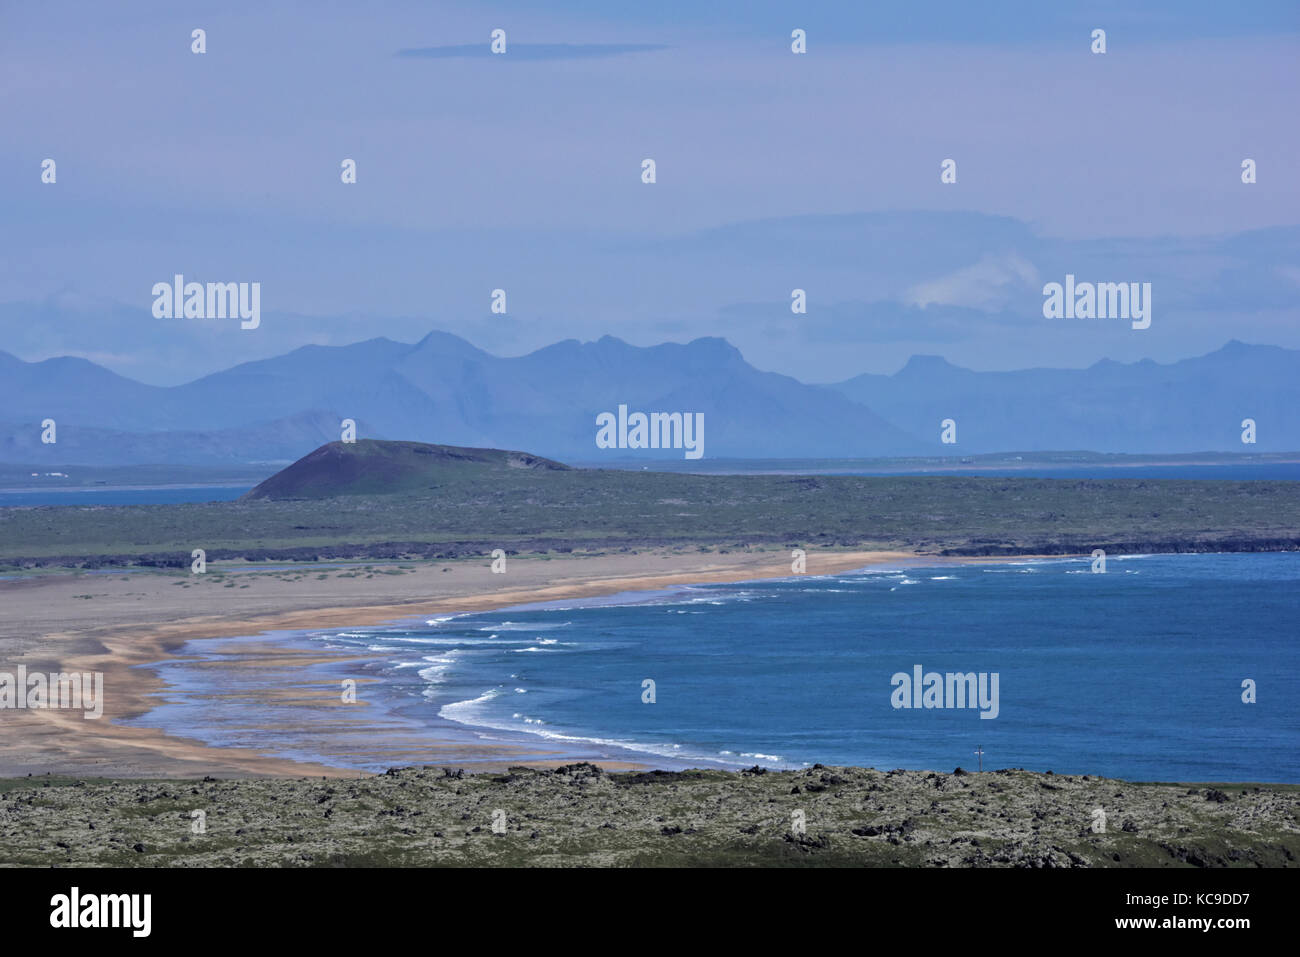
{"x":374,"y":467}
{"x":400,"y":500}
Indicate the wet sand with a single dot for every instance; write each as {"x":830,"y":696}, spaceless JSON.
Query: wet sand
{"x":115,"y":623}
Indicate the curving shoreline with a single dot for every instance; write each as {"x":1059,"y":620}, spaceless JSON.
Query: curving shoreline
{"x":122,"y":625}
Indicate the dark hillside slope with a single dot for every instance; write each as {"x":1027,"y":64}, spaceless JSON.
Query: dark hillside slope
{"x":375,"y":467}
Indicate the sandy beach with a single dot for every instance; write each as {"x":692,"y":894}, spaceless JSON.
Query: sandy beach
{"x":115,"y":622}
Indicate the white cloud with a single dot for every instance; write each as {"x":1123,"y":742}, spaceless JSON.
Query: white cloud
{"x":988,"y":284}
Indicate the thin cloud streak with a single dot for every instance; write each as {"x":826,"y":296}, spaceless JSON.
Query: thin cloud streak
{"x":531,"y":51}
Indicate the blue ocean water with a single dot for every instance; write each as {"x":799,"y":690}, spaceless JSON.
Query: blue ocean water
{"x":161,"y":495}
{"x":1135,"y":673}
{"x":1271,"y":471}
{"x":1226,"y":471}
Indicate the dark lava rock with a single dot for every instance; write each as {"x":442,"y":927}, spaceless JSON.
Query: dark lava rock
{"x":653,"y":777}
{"x":583,"y":769}
{"x":803,"y":840}
{"x":1194,"y":856}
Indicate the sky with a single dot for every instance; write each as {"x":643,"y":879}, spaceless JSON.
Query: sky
{"x":523,"y":171}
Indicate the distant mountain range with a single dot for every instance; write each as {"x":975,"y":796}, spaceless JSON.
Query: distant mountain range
{"x":444,"y":390}
{"x":1196,"y":405}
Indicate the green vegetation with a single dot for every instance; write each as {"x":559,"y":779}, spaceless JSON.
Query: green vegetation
{"x":457,"y":507}
{"x":987,"y":460}
{"x":580,"y":815}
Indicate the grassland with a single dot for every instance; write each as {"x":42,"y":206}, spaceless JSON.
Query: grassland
{"x":525,"y":511}
{"x":579,"y":815}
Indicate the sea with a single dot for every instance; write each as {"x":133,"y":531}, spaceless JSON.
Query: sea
{"x":121,"y":495}
{"x":1160,"y":668}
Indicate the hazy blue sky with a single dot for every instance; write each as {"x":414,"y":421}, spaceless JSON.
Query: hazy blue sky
{"x":775,"y":171}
